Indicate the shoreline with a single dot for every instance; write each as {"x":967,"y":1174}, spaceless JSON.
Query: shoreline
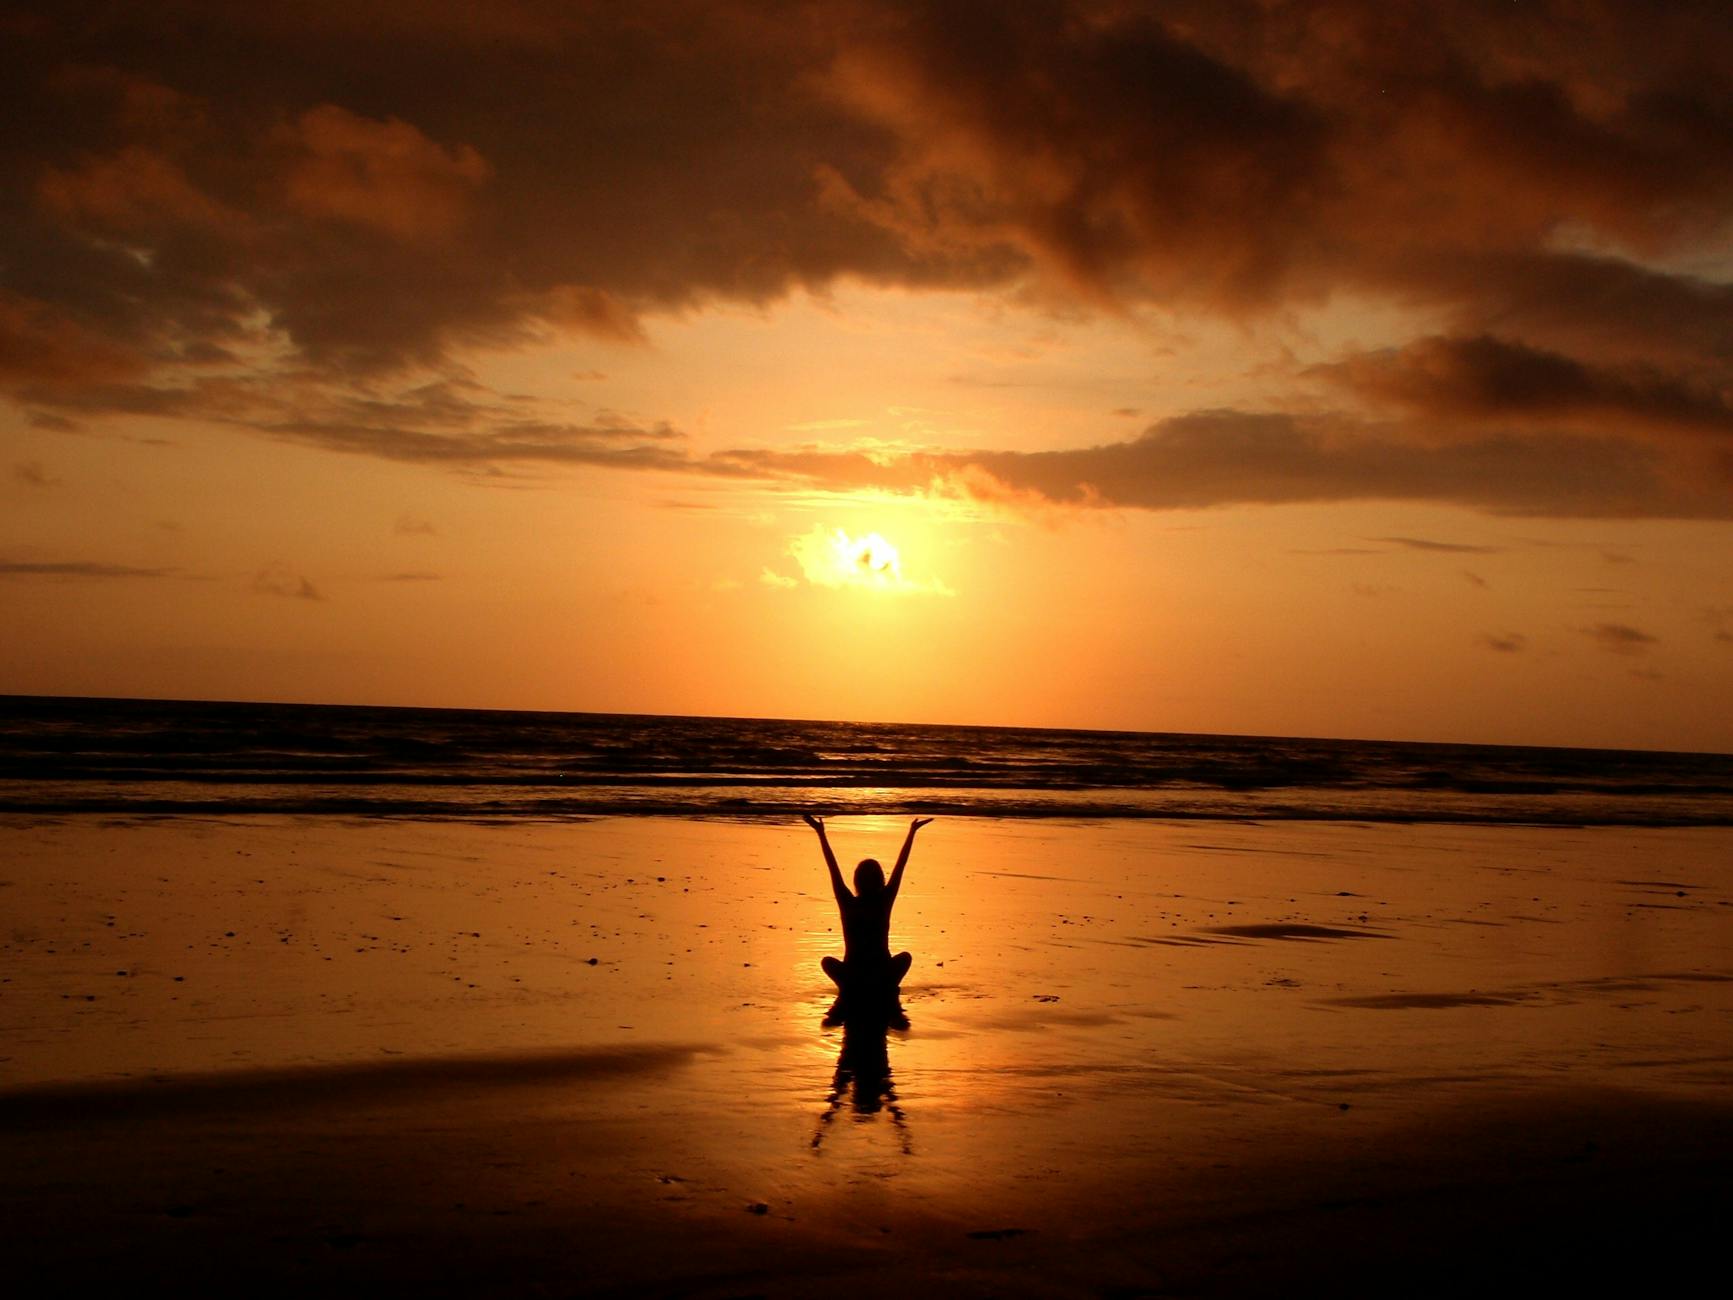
{"x":120,"y":758}
{"x":122,"y":811}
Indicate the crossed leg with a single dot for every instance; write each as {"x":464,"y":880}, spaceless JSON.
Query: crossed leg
{"x":898,"y":967}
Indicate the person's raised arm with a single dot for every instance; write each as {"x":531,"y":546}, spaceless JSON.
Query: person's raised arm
{"x":896,"y":881}
{"x":836,"y":885}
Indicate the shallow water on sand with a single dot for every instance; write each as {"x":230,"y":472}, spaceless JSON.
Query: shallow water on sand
{"x":591,"y":1035}
{"x":1313,"y":962}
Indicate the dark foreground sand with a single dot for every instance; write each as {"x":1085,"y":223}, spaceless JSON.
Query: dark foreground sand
{"x":1157,"y":1060}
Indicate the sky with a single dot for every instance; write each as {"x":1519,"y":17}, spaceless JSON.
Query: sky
{"x":1339,"y":369}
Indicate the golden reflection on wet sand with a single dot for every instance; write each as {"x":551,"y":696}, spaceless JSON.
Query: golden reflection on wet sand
{"x":633,"y":1010}
{"x":1375,"y":953}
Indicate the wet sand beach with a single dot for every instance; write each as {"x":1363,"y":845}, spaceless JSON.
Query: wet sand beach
{"x":281,"y":1054}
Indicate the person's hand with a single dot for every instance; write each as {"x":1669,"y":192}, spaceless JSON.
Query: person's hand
{"x":817,"y":823}
{"x":918,"y":823}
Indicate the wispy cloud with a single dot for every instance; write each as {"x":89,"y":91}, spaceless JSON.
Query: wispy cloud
{"x":79,"y":569}
{"x":1719,"y":619}
{"x":277,"y":579}
{"x":1508,"y":643}
{"x":1204,"y":459}
{"x":1431,"y":544}
{"x":31,"y":474}
{"x":1620,"y":638}
{"x":450,"y":421}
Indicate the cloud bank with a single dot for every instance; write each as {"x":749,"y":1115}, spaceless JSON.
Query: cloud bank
{"x":297,"y":220}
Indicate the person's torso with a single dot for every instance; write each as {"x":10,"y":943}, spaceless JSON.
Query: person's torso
{"x":866,"y":929}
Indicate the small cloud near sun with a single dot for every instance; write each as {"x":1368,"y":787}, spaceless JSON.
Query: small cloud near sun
{"x":831,"y":558}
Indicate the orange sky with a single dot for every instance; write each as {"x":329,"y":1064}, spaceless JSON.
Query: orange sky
{"x":1330,"y":369}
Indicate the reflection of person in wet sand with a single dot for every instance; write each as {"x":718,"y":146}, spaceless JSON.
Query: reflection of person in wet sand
{"x":867,"y":970}
{"x":863,"y":1080}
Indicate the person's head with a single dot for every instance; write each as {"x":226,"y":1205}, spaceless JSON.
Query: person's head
{"x":869,"y":877}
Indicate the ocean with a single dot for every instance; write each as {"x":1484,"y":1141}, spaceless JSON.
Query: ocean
{"x":61,"y":756}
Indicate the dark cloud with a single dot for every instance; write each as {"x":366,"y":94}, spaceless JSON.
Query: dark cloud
{"x":1110,"y":151}
{"x":1237,"y":458}
{"x":360,"y":193}
{"x":380,"y":191}
{"x":1209,"y":458}
{"x":410,"y":577}
{"x":1473,"y":579}
{"x":77,"y":569}
{"x":447,"y":422}
{"x":383,"y":187}
{"x":1485,"y":380}
{"x":413,"y":526}
{"x":1620,"y":638}
{"x":615,"y":447}
{"x":1600,"y":305}
{"x":1508,"y":643}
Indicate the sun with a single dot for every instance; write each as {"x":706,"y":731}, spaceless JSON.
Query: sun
{"x":869,"y":560}
{"x":830,"y":557}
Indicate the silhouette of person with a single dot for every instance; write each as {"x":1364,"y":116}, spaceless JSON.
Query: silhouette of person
{"x":867,"y":972}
